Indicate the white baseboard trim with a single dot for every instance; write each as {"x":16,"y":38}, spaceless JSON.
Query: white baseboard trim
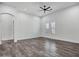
{"x":62,"y":39}
{"x":50,"y":37}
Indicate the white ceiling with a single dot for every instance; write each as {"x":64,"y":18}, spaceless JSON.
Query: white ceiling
{"x":33,"y":8}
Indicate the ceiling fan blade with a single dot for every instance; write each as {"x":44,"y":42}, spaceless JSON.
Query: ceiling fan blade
{"x":44,"y":6}
{"x":50,"y":9}
{"x":47,"y":7}
{"x":41,"y":7}
{"x":44,"y":11}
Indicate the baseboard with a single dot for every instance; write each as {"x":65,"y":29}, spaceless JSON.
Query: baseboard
{"x":23,"y":38}
{"x":50,"y":37}
{"x":58,"y":38}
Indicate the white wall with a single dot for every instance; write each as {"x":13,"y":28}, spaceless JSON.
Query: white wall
{"x":26,"y":26}
{"x":66,"y":27}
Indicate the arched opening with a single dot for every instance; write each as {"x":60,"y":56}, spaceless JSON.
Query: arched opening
{"x":6,"y":26}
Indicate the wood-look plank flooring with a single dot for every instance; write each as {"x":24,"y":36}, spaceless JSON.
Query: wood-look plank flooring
{"x":39,"y":47}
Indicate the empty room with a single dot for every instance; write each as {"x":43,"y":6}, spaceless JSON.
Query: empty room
{"x":39,"y":29}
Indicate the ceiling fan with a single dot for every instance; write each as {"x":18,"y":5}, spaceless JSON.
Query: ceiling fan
{"x":45,"y":8}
